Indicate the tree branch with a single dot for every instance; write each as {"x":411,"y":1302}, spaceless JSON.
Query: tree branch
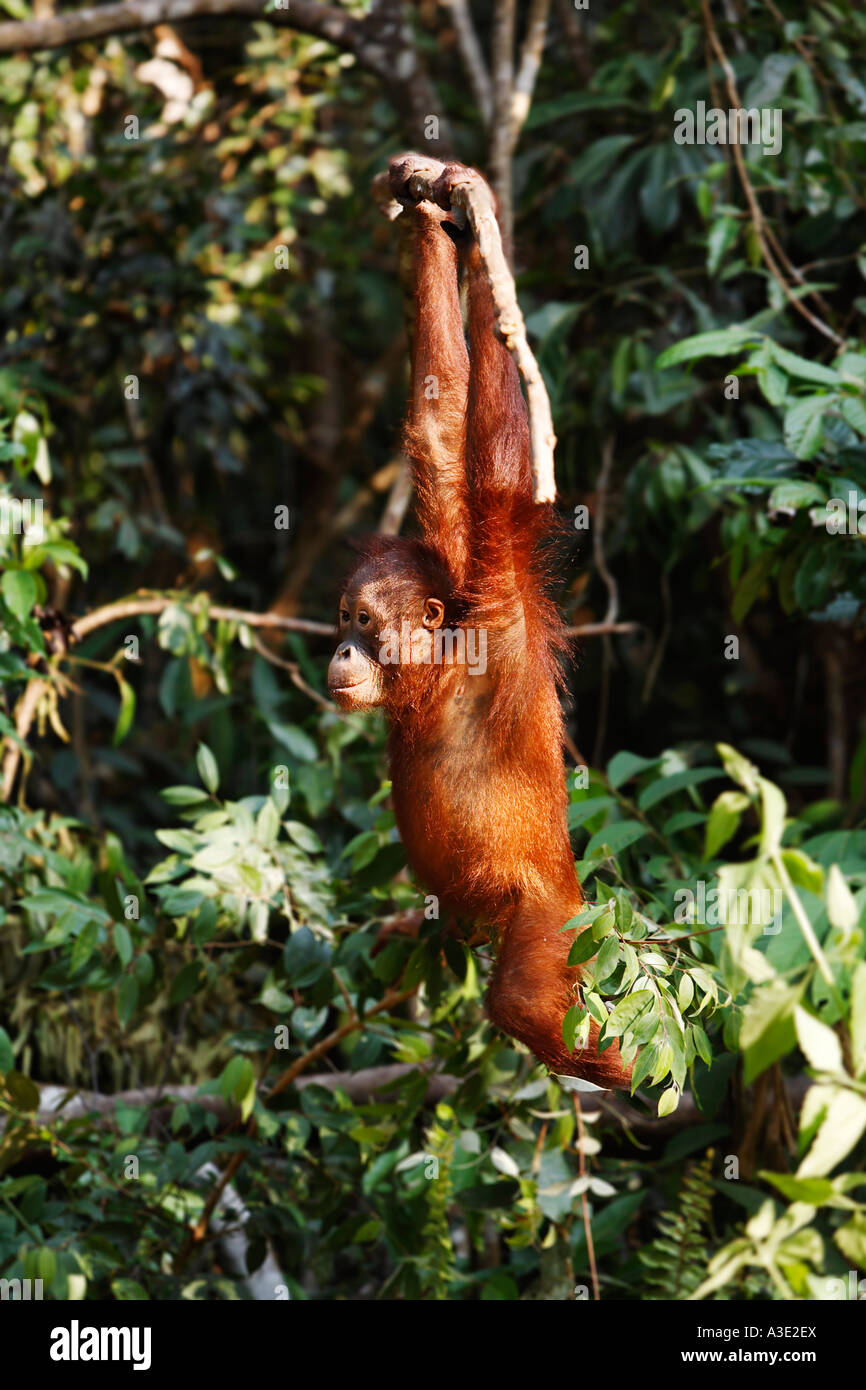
{"x":763,"y":233}
{"x":502,"y":64}
{"x":157,"y":603}
{"x":198,"y":1232}
{"x":381,"y":40}
{"x":530,"y":62}
{"x":473,"y":58}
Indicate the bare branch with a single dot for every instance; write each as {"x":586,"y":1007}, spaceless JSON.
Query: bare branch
{"x":157,"y":603}
{"x":398,"y":501}
{"x":763,"y":233}
{"x":382,"y":40}
{"x":473,"y":58}
{"x":530,"y":62}
{"x":503,"y":97}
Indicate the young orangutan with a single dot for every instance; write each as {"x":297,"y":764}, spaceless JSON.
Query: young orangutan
{"x":475,"y":748}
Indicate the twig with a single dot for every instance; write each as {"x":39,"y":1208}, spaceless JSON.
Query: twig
{"x":530,"y":62}
{"x":157,"y":603}
{"x":294,"y":673}
{"x":502,"y":65}
{"x":198,"y":1232}
{"x":576,"y":39}
{"x":584,"y":1203}
{"x":602,"y":629}
{"x":382,"y":41}
{"x":661,"y":646}
{"x":473,"y":58}
{"x":758,"y":221}
{"x":25,"y":713}
{"x":398,"y":501}
{"x":28,"y":705}
{"x":602,"y":485}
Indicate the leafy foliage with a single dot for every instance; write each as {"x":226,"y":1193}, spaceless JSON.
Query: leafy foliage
{"x":198,"y":854}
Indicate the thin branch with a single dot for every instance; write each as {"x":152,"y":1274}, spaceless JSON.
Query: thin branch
{"x":473,"y":58}
{"x":576,"y":40}
{"x":382,"y":40}
{"x":602,"y":485}
{"x":156,"y":603}
{"x":530,"y":62}
{"x":398,"y":501}
{"x":584,"y":1201}
{"x":25,"y":713}
{"x":602,"y":629}
{"x":294,"y":672}
{"x":762,"y":232}
{"x":29,"y":702}
{"x":198,"y":1232}
{"x":502,"y":64}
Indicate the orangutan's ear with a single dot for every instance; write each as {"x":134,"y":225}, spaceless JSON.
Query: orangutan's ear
{"x":434,"y":613}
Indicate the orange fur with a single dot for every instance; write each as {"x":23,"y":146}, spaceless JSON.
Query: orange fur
{"x":477,"y":760}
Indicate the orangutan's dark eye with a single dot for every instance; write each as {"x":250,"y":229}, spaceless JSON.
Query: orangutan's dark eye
{"x":363,"y":619}
{"x":344,"y":615}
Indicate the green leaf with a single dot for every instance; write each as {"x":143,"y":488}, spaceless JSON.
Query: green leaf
{"x":307,"y":839}
{"x":125,"y":714}
{"x":813,"y":1191}
{"x":18,"y":588}
{"x":752,"y":584}
{"x":851,"y":1240}
{"x":738,"y":768}
{"x":607,"y":959}
{"x":570,"y":1023}
{"x":299,"y":744}
{"x":127,"y":999}
{"x":720,"y":342}
{"x":581,"y":811}
{"x":768,"y":1030}
{"x":818,"y":1043}
{"x":615,"y":838}
{"x":803,"y":871}
{"x":583,"y":948}
{"x":724,"y":818}
{"x":676,"y":782}
{"x":773,"y":812}
{"x":83,"y":947}
{"x":802,"y":368}
{"x":7,"y":1056}
{"x":627,"y":1010}
{"x":854,"y":414}
{"x":207,"y":768}
{"x":668,"y":1101}
{"x":722,"y":236}
{"x":793,"y":493}
{"x":644,"y":1066}
{"x":185,"y":982}
{"x":623,"y":766}
{"x":843,"y":1124}
{"x":598,"y":159}
{"x":858,"y":1018}
{"x":803,"y":426}
{"x":122,"y":943}
{"x":842,"y":909}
